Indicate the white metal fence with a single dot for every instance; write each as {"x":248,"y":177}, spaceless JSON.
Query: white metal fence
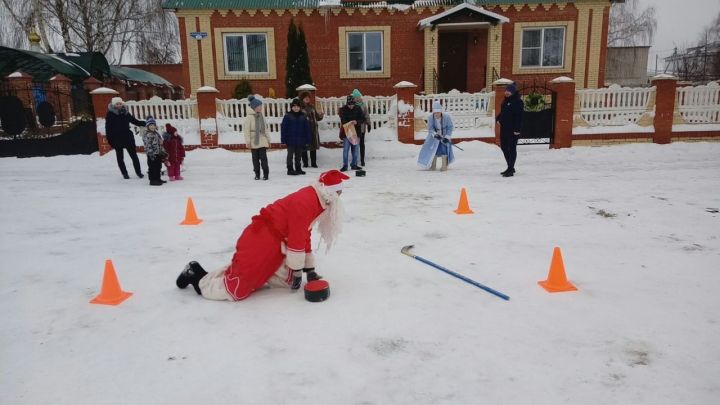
{"x":699,"y":104}
{"x":161,"y":109}
{"x":468,"y":110}
{"x":233,"y":112}
{"x":614,"y":105}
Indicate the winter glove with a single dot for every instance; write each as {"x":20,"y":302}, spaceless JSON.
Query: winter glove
{"x":311,"y":275}
{"x":297,"y":279}
{"x":438,"y":137}
{"x":445,"y":140}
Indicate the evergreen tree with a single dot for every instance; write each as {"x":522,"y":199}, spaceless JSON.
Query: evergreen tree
{"x":302,"y":68}
{"x":291,"y":61}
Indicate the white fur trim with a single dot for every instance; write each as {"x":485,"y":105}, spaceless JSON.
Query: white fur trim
{"x":309,"y":260}
{"x":295,"y":260}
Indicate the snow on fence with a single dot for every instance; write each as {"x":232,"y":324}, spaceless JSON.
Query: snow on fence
{"x":614,"y":105}
{"x":468,"y":110}
{"x":163,"y":109}
{"x":699,"y":104}
{"x":233,"y":112}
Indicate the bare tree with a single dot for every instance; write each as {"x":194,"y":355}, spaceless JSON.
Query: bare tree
{"x":158,"y":41}
{"x":630,"y":25}
{"x":115,"y":28}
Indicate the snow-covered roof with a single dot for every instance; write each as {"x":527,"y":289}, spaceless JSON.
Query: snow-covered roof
{"x":426,"y":22}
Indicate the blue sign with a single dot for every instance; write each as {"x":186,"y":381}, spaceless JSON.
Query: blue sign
{"x":198,"y":35}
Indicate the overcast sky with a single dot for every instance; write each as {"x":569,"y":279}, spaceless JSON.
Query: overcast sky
{"x":679,"y":23}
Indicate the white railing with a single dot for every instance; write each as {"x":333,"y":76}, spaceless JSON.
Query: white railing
{"x":234,"y":111}
{"x":699,"y":104}
{"x":614,"y":105}
{"x":469,"y":110}
{"x":161,"y":109}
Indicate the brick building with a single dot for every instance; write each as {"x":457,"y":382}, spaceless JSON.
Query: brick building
{"x":438,"y":44}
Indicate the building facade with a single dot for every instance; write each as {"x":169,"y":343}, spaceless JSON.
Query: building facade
{"x":438,"y":44}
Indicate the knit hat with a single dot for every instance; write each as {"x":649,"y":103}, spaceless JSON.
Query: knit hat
{"x":356,"y":93}
{"x":511,"y":88}
{"x":350,"y":100}
{"x":296,"y":101}
{"x":170,"y":129}
{"x":254,"y":102}
{"x":150,"y":121}
{"x":437,"y":107}
{"x":116,"y":100}
{"x":332,"y":180}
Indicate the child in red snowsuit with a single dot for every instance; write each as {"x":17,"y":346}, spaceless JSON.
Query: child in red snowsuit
{"x":173,"y":144}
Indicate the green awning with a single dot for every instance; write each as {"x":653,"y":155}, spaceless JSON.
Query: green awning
{"x":137,"y":75}
{"x":43,"y":66}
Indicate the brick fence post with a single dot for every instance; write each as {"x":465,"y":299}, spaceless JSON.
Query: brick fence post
{"x":91,"y":84}
{"x":101,"y":98}
{"x":20,"y":84}
{"x":207,"y":114}
{"x":405,"y":92}
{"x":665,"y":87}
{"x":61,"y":97}
{"x":564,"y":88}
{"x":500,"y":85}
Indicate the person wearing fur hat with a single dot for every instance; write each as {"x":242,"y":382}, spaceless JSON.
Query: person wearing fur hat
{"x":154,"y":151}
{"x":365,"y":128}
{"x":257,"y":137}
{"x":510,"y":120}
{"x":313,"y":116}
{"x":438,"y":143}
{"x":173,"y":144}
{"x":119,"y":136}
{"x":295,"y":133}
{"x":350,"y":113}
{"x":275,"y":249}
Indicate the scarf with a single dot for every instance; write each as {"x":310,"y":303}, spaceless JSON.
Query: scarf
{"x":259,"y":127}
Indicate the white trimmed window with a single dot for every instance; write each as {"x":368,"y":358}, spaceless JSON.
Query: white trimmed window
{"x":542,"y":47}
{"x":245,"y":53}
{"x":365,"y":51}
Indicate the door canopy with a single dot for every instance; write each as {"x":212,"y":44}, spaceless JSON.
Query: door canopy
{"x":462,"y":16}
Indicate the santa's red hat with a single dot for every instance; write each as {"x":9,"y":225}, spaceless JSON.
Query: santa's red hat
{"x":333,"y":179}
{"x":170,"y":129}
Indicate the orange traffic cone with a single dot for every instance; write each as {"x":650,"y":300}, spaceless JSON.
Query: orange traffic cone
{"x":190,"y":215}
{"x":463,"y":206}
{"x":111,"y":293}
{"x":557,"y":281}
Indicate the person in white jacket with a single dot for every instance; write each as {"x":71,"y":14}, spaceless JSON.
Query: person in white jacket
{"x":257,"y":138}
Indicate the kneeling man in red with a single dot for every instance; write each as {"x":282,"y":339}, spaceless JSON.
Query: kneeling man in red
{"x":274,"y":249}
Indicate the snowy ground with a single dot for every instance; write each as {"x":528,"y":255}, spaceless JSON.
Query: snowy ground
{"x":635,"y":223}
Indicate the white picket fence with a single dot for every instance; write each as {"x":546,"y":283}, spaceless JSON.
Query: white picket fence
{"x":233,"y":111}
{"x":699,"y":104}
{"x":164,"y":110}
{"x":468,"y":110}
{"x":614,"y":105}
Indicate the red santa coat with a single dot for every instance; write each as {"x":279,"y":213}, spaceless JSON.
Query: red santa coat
{"x":258,"y":254}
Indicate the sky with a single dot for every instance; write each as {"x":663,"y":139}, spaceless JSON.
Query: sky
{"x":679,"y":23}
{"x":636,"y":224}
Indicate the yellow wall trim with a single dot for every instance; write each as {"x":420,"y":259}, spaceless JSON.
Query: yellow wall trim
{"x":220,"y":53}
{"x":431,"y":58}
{"x":569,"y":47}
{"x":206,"y":52}
{"x":342,"y":48}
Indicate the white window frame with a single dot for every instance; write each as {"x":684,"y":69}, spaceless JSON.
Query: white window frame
{"x":542,"y":47}
{"x":245,"y":53}
{"x":364,"y":51}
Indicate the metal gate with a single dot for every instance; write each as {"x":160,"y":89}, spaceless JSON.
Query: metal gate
{"x":538,"y":124}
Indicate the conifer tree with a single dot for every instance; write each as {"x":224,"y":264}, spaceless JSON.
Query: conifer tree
{"x":291,"y":61}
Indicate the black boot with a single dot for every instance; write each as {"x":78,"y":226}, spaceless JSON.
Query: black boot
{"x":191,"y":274}
{"x":311,"y":275}
{"x":292,"y":172}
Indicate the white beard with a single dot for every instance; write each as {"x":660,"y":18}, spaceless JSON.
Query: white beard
{"x":330,"y":221}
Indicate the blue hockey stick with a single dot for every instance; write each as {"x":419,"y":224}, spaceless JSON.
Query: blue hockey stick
{"x":406,"y":251}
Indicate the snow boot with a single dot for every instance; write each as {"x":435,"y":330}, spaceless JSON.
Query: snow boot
{"x":311,"y":275}
{"x":191,"y":274}
{"x":296,"y":280}
{"x":444,"y":166}
{"x":434,"y":163}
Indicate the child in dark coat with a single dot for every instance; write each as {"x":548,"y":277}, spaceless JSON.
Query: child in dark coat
{"x":295,"y":133}
{"x":154,"y":151}
{"x":173,"y":144}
